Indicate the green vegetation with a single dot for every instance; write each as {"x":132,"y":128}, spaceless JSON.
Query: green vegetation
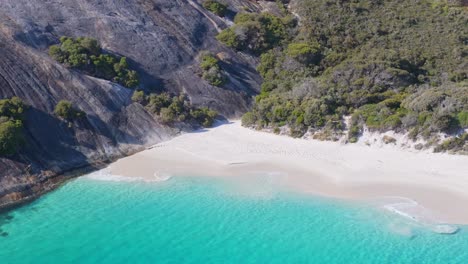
{"x":171,"y":109}
{"x":256,"y":33}
{"x":212,"y":72}
{"x":390,"y":65}
{"x":456,"y":144}
{"x":65,"y":110}
{"x":215,"y":7}
{"x":86,"y":54}
{"x":304,"y":52}
{"x":11,"y":125}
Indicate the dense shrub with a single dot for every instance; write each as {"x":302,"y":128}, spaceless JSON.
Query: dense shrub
{"x":65,"y":110}
{"x":171,"y":109}
{"x":256,"y":33}
{"x":248,"y":119}
{"x":456,"y":144}
{"x":86,"y":54}
{"x":11,"y":125}
{"x":10,"y":136}
{"x":212,"y":71}
{"x":215,"y":7}
{"x":304,"y":52}
{"x":392,"y":65}
{"x":12,"y":108}
{"x":462,"y":119}
{"x":204,"y":116}
{"x":139,"y":97}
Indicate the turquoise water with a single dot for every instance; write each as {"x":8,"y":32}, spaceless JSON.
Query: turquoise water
{"x":197,"y":220}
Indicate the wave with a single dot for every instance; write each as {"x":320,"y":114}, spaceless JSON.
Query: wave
{"x":161,"y":176}
{"x":106,"y":175}
{"x":417,"y":213}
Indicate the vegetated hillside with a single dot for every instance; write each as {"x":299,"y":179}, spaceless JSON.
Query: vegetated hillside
{"x":64,"y":118}
{"x":391,"y":65}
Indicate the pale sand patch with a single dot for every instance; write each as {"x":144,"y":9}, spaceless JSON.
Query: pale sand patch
{"x":438,"y":182}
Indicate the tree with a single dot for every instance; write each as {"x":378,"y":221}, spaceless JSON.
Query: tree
{"x":167,"y":115}
{"x":56,"y":53}
{"x":304,"y":52}
{"x":229,"y":38}
{"x":248,"y":119}
{"x":215,"y":7}
{"x":65,"y":110}
{"x":212,"y":72}
{"x":12,"y":108}
{"x":139,"y":97}
{"x":86,"y":54}
{"x":10,"y":137}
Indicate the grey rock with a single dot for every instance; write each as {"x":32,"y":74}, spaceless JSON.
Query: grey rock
{"x":161,"y":39}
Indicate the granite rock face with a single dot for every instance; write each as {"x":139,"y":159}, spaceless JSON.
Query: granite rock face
{"x":162,"y":40}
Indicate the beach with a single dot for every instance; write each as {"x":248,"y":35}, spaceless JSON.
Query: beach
{"x":424,"y":186}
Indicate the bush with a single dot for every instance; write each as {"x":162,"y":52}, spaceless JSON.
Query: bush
{"x":462,"y":119}
{"x":65,"y":110}
{"x":248,"y":119}
{"x":455,"y":144}
{"x":212,"y":72}
{"x":230,"y":39}
{"x":158,"y":101}
{"x":86,"y":54}
{"x":11,"y":125}
{"x":10,"y":137}
{"x":167,"y":115}
{"x":139,"y":97}
{"x":208,"y":61}
{"x":304,"y":52}
{"x":344,"y":59}
{"x":443,"y":123}
{"x":215,"y":7}
{"x":172,"y":108}
{"x":256,"y":33}
{"x":204,"y":116}
{"x":12,"y":108}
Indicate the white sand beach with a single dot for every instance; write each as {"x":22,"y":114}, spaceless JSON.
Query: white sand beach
{"x":421,"y":184}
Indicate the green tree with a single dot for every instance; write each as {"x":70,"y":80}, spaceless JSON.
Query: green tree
{"x":139,"y":97}
{"x":11,"y":137}
{"x":230,"y":39}
{"x":65,"y":110}
{"x":86,"y":54}
{"x":167,"y":115}
{"x":215,"y":7}
{"x":212,"y":72}
{"x":304,"y":52}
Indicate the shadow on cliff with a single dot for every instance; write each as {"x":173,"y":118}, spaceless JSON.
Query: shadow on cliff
{"x":53,"y":143}
{"x":114,"y":136}
{"x":238,"y":71}
{"x":50,"y":140}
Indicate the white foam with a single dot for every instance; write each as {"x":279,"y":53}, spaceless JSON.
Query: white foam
{"x":402,"y":208}
{"x":161,"y":176}
{"x":105,"y":175}
{"x":445,"y":229}
{"x":412,"y":210}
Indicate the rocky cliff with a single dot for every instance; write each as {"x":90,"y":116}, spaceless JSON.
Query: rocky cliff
{"x":161,"y":39}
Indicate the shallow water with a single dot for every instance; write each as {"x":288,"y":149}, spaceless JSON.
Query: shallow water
{"x":199,"y":220}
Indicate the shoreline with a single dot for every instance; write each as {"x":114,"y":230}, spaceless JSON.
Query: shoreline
{"x":433,"y":182}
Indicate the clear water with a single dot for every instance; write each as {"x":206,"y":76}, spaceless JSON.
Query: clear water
{"x":196,"y":220}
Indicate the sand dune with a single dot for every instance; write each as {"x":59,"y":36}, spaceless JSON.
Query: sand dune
{"x":436,"y":184}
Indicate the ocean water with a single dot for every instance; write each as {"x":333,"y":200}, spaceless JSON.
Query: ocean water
{"x":200,"y":220}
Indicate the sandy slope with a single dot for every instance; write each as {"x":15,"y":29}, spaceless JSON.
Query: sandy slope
{"x":425,"y":185}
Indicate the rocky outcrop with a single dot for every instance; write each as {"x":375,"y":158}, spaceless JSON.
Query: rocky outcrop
{"x":161,"y":39}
